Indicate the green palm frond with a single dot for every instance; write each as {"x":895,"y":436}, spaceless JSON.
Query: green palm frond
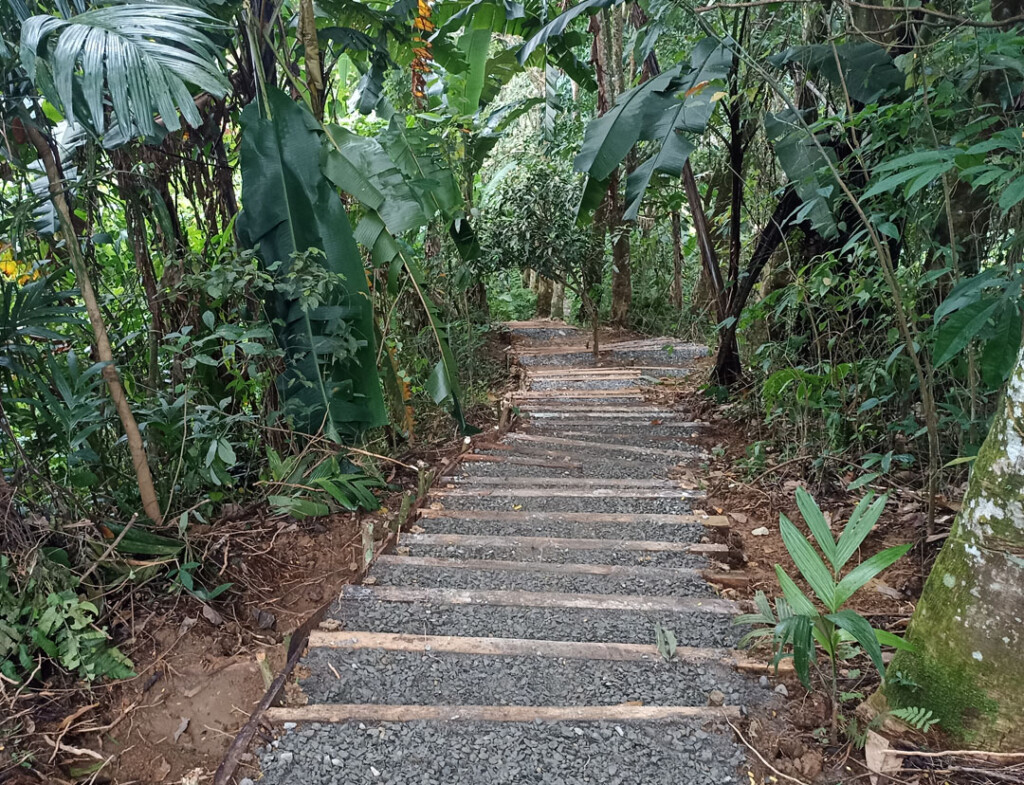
{"x":145,"y":56}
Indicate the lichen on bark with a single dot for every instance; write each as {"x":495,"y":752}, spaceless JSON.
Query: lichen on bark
{"x":967,"y":665}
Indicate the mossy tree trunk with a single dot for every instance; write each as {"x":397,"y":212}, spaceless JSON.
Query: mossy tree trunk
{"x":967,"y":666}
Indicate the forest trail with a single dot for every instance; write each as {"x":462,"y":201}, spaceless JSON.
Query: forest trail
{"x":510,"y":638}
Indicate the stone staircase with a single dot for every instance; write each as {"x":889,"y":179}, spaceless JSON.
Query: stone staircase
{"x":510,"y":637}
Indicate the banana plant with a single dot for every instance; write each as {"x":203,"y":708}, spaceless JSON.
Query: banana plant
{"x":289,"y":209}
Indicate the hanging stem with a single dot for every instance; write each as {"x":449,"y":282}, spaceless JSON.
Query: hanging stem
{"x":147,"y":491}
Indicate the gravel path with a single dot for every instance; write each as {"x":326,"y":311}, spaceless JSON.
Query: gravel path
{"x":568,"y":504}
{"x":561,"y":555}
{"x":665,"y":532}
{"x":457,"y":751}
{"x":396,"y":677}
{"x":556,"y":624}
{"x":471,"y":753}
{"x":684,"y":585}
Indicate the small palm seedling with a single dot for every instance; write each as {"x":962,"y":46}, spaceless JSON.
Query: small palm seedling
{"x":796,"y":625}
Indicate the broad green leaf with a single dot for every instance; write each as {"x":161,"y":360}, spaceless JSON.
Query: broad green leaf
{"x":289,"y":207}
{"x":796,"y":631}
{"x":862,"y":632}
{"x":808,"y":562}
{"x":865,"y":571}
{"x":144,"y":56}
{"x":865,"y":70}
{"x":861,"y":522}
{"x":815,"y":520}
{"x":999,"y":356}
{"x":956,"y":332}
{"x":678,"y":101}
{"x":886,"y":638}
{"x":1013,"y":194}
{"x":797,"y":599}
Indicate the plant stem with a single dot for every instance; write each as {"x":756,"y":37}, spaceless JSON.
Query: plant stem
{"x":147,"y":491}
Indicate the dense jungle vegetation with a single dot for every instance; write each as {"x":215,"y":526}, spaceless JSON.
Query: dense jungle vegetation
{"x":250,"y":250}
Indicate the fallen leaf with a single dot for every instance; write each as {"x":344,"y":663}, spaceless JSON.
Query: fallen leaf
{"x":212,"y":616}
{"x":163,"y":768}
{"x":739,"y":517}
{"x":878,"y":757}
{"x":182,"y":727}
{"x":193,"y":777}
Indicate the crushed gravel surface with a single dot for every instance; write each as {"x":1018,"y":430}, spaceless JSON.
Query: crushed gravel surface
{"x":587,"y":467}
{"x":532,"y":527}
{"x":559,"y":624}
{"x":682,"y":585}
{"x":396,"y":677}
{"x":472,"y":753}
{"x":619,"y":504}
{"x":560,"y":555}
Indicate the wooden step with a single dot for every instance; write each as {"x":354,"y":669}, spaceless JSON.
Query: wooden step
{"x":514,"y":460}
{"x":563,"y":543}
{"x":520,"y":647}
{"x":711,"y":521}
{"x":371,"y":712}
{"x":589,"y":492}
{"x":586,"y":482}
{"x":550,"y":568}
{"x":587,"y":445}
{"x":539,"y":599}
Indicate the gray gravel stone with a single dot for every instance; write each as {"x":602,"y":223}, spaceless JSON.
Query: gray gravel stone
{"x":617,"y":504}
{"x":560,"y":555}
{"x":682,"y":585}
{"x":560,"y":624}
{"x":392,"y":677}
{"x":534,"y":527}
{"x":467,"y":753}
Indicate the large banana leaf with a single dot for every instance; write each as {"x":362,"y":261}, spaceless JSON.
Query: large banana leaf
{"x":867,"y":70}
{"x":394,"y":206}
{"x":289,"y":207}
{"x":143,"y":55}
{"x":677,"y":102}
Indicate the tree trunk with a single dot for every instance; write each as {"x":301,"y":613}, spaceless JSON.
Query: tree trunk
{"x":677,"y":261}
{"x":728,"y":368}
{"x":967,"y":628}
{"x":543,"y":298}
{"x":622,"y":271}
{"x":557,"y":300}
{"x":147,"y":491}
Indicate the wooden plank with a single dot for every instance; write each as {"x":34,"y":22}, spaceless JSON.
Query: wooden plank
{"x":511,"y":647}
{"x":713,"y":521}
{"x":515,"y":461}
{"x":541,"y":599}
{"x":369,"y":712}
{"x":563,"y":543}
{"x":555,"y":371}
{"x":634,"y":418}
{"x":589,"y":493}
{"x":517,"y":437}
{"x":625,"y":392}
{"x":548,"y":568}
{"x":586,"y":482}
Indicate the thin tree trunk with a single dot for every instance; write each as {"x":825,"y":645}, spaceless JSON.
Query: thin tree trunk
{"x":966,"y":666}
{"x":147,"y":491}
{"x":677,"y":261}
{"x":557,"y":300}
{"x":543,"y":298}
{"x":708,"y":257}
{"x":728,"y":368}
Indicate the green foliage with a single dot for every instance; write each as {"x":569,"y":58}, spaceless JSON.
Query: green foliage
{"x":41,"y":616}
{"x":916,"y":717}
{"x":143,"y":55}
{"x":310,"y":485}
{"x":796,"y":625}
{"x":326,"y":330}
